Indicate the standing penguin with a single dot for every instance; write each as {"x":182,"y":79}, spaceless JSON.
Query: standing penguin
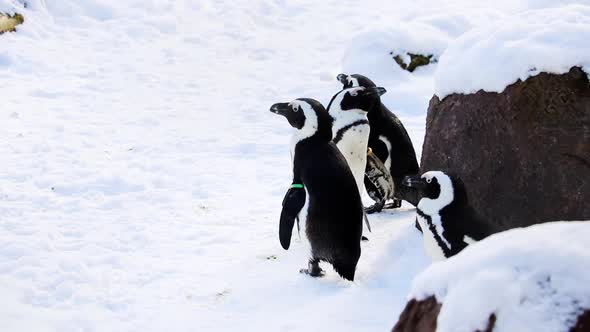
{"x":349,"y":109}
{"x":390,"y":141}
{"x":323,"y":189}
{"x":448,"y":222}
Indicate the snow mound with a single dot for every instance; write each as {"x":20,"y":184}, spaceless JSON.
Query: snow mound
{"x":533,"y":279}
{"x":370,"y":53}
{"x":490,"y":57}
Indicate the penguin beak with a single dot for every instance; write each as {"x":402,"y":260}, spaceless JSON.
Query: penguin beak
{"x":280,"y":108}
{"x":343,"y":78}
{"x":414,"y":181}
{"x":374,"y":91}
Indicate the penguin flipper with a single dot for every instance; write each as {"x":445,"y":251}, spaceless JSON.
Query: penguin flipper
{"x":292,"y":204}
{"x":366,"y":220}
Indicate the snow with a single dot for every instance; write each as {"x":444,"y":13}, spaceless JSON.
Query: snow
{"x":494,"y":56}
{"x":142,"y":172}
{"x":533,"y":279}
{"x":10,"y":6}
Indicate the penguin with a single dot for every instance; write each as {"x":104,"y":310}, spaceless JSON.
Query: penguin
{"x":348,"y":109}
{"x":447,"y":221}
{"x":390,"y":141}
{"x":378,"y":182}
{"x":324,"y":192}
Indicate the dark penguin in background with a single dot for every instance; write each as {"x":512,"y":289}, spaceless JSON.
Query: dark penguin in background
{"x":448,"y":222}
{"x":390,"y":141}
{"x":324,"y":193}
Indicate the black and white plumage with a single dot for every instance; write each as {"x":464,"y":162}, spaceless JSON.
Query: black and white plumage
{"x":390,"y":141}
{"x":324,"y":195}
{"x":350,"y":127}
{"x":448,"y":222}
{"x":378,"y":182}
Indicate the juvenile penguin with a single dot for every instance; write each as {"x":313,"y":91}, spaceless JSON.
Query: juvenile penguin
{"x":390,"y":141}
{"x":448,"y":222}
{"x":378,"y":181}
{"x":323,"y":193}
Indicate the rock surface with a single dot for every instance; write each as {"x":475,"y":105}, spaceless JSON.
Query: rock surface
{"x":418,"y":316}
{"x":421,"y":316}
{"x":523,"y":154}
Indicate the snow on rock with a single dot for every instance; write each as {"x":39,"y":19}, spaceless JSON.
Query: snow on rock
{"x":490,"y":57}
{"x":532,"y":279}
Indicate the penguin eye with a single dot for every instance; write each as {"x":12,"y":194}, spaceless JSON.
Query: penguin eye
{"x":428,"y":180}
{"x":295,"y":108}
{"x":353,"y":93}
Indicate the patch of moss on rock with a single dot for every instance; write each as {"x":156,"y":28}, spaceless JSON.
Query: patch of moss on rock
{"x":416,"y":60}
{"x":9,"y":22}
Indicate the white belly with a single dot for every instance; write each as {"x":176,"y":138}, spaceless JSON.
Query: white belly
{"x":430,"y":245}
{"x":303,"y":223}
{"x":387,"y":143}
{"x":353,"y":146}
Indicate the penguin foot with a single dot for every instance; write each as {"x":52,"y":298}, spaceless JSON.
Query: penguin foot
{"x":377,"y":207}
{"x":313,"y":269}
{"x":314,"y":274}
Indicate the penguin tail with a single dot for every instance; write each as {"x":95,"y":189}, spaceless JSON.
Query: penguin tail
{"x":345,"y":269}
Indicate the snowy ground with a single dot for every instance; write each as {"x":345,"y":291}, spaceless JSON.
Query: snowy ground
{"x":142,"y":173}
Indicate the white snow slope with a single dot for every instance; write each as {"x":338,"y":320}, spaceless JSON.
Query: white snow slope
{"x":142,"y":173}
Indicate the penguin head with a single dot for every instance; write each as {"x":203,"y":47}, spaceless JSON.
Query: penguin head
{"x":355,"y":100}
{"x":350,"y":81}
{"x":437,"y":190}
{"x":307,"y":116}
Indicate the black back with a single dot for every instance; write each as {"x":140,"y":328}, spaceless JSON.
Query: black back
{"x":335,"y":210}
{"x":459,"y":218}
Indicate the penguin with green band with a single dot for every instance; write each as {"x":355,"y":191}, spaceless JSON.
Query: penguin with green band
{"x":323,"y":194}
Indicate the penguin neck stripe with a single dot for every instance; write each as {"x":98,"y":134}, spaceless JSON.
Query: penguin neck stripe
{"x":297,"y":186}
{"x":437,"y":237}
{"x":341,"y":131}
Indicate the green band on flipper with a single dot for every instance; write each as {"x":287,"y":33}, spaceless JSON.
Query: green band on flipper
{"x":297,"y":185}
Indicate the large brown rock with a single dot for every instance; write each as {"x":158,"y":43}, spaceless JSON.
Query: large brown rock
{"x":421,"y":316}
{"x":523,"y":154}
{"x":418,"y":316}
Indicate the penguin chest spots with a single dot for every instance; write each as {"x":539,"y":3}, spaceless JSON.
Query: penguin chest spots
{"x":353,"y":146}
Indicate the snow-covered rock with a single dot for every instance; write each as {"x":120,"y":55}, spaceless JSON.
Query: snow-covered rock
{"x":527,"y":279}
{"x":522,"y":153}
{"x":490,"y":57}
